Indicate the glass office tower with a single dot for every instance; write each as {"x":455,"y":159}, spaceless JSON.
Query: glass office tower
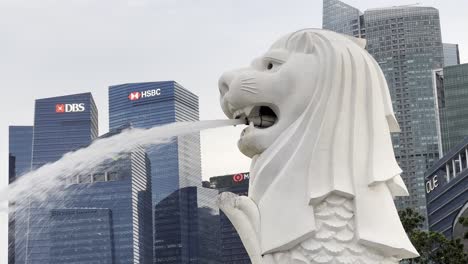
{"x":439,"y":94}
{"x":451,"y":54}
{"x":447,"y":195}
{"x":176,"y":164}
{"x":343,"y":18}
{"x":451,"y":86}
{"x":101,"y":216}
{"x":62,"y":124}
{"x":11,"y":167}
{"x":177,"y":196}
{"x":20,"y":146}
{"x":11,"y":219}
{"x":105,"y":215}
{"x":406,"y":42}
{"x":232,"y":249}
{"x":20,"y":149}
{"x":187,"y":227}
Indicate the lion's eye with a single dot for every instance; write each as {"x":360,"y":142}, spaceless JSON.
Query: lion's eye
{"x":271,"y":65}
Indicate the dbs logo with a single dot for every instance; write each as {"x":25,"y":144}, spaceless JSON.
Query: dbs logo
{"x":69,"y":108}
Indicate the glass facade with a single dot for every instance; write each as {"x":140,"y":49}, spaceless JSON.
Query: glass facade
{"x":175,"y":166}
{"x":11,"y":219}
{"x":81,"y":236}
{"x":406,"y":42}
{"x":144,"y":105}
{"x":454,"y":109}
{"x":439,"y":94}
{"x":451,"y":54}
{"x":99,"y":217}
{"x":11,"y":167}
{"x":446,"y":191}
{"x":20,"y":149}
{"x":20,"y":146}
{"x":232,"y":249}
{"x":62,"y":124}
{"x":343,"y":18}
{"x":187,"y":227}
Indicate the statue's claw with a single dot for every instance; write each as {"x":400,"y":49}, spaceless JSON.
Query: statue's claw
{"x":244,"y":215}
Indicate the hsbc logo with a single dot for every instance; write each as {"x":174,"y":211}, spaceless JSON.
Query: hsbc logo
{"x":133,"y":96}
{"x":69,"y":108}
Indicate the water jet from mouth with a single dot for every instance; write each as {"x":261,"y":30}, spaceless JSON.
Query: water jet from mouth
{"x":40,"y":184}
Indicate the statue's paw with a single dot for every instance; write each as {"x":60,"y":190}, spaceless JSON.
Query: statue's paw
{"x":227,"y":200}
{"x":245,"y":204}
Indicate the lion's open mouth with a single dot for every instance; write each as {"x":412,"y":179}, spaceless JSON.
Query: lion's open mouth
{"x":258,"y":116}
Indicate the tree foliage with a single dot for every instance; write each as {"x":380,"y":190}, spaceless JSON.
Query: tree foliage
{"x":433,"y":247}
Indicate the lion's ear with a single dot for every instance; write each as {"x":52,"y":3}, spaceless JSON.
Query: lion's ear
{"x":304,"y":43}
{"x":359,"y":41}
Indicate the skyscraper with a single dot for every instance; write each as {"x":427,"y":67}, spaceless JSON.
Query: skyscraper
{"x":447,"y":195}
{"x":62,"y":124}
{"x":232,"y":249}
{"x":176,"y":164}
{"x":11,"y":219}
{"x":177,"y":195}
{"x":187,"y":227}
{"x":103,"y":214}
{"x":439,"y":99}
{"x":343,"y":18}
{"x":451,"y":87}
{"x":406,"y":42}
{"x":451,"y":54}
{"x":20,"y":146}
{"x":20,"y":149}
{"x":11,"y":167}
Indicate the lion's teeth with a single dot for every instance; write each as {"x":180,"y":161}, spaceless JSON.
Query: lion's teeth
{"x":248,"y":110}
{"x":237,"y":113}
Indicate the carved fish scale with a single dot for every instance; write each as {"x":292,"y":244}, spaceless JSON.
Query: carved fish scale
{"x":335,"y":241}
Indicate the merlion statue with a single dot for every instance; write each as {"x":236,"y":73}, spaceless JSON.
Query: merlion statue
{"x":323,"y":172}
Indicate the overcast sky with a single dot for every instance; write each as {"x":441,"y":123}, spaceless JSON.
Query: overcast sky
{"x":58,"y":47}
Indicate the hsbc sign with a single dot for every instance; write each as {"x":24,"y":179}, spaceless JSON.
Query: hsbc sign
{"x":133,"y":96}
{"x":69,"y":108}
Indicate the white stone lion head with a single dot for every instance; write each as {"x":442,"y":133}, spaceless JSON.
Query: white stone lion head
{"x":320,"y":118}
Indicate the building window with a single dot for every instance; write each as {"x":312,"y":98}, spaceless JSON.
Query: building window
{"x":84,"y":178}
{"x":113,"y":176}
{"x":99,"y":177}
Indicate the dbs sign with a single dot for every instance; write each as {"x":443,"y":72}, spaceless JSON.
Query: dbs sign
{"x":69,"y":108}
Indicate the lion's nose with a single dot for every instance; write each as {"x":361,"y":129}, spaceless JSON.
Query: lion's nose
{"x":224,"y":82}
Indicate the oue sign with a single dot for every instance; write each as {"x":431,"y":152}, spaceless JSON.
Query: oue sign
{"x":431,"y":184}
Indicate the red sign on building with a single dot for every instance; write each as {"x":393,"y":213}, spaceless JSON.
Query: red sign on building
{"x":238,"y":177}
{"x":60,"y":108}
